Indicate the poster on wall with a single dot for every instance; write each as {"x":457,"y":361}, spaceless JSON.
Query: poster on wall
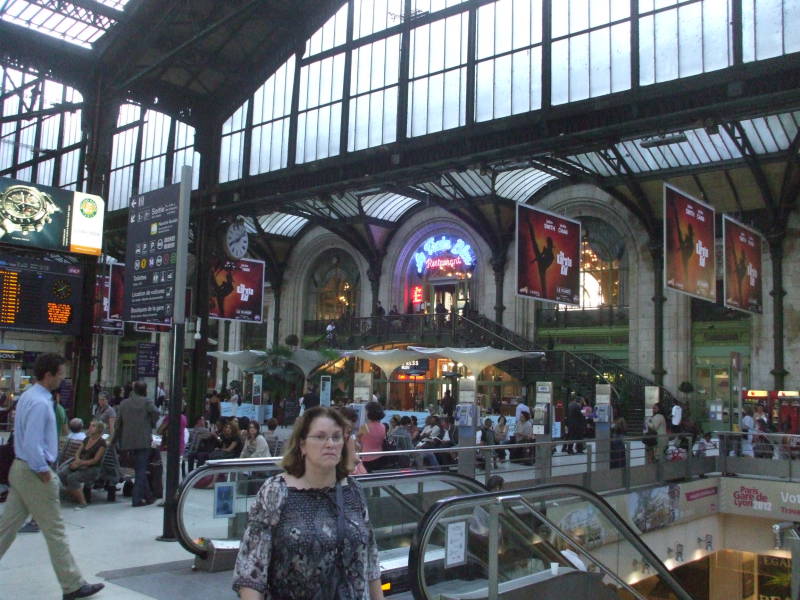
{"x":116,"y":292}
{"x":548,"y":256}
{"x":39,"y":216}
{"x":236,"y":290}
{"x":101,"y":324}
{"x":690,"y":260}
{"x":774,"y":577}
{"x":741,"y":253}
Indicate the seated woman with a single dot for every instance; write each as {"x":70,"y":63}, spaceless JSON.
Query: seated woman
{"x":85,"y":467}
{"x":230,"y":444}
{"x":255,"y":446}
{"x":308,"y":534}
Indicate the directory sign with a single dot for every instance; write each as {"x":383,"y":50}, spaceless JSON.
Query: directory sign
{"x":151,"y":255}
{"x":690,"y":261}
{"x":741,"y":252}
{"x":40,"y":295}
{"x":39,"y":216}
{"x":548,"y":256}
{"x":146,"y":360}
{"x":237,"y":290}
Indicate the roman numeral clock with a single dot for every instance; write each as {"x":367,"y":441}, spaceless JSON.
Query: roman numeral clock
{"x":234,"y":239}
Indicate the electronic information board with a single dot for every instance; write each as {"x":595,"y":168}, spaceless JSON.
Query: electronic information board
{"x":40,"y":295}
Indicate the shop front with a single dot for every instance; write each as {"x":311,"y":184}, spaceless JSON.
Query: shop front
{"x":439,"y":276}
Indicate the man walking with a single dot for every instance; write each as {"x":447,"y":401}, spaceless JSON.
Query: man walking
{"x":33,"y":484}
{"x":137,"y":417}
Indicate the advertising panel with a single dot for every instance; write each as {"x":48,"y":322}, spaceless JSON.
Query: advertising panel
{"x":151,"y":255}
{"x":116,"y":293}
{"x":39,"y":216}
{"x":146,"y":360}
{"x":548,"y":256}
{"x":237,"y":290}
{"x":102,"y":325}
{"x":689,"y":261}
{"x":741,"y":252}
{"x":760,"y":498}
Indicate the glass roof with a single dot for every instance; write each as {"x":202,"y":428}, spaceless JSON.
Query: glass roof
{"x":77,"y":23}
{"x":282,"y":224}
{"x":387,"y":207}
{"x":698,"y":147}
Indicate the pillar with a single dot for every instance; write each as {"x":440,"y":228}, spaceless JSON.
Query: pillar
{"x":778,"y":292}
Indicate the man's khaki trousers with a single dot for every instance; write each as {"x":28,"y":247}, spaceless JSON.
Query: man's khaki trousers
{"x":30,"y":495}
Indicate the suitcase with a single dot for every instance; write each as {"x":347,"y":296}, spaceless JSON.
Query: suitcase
{"x":154,"y":475}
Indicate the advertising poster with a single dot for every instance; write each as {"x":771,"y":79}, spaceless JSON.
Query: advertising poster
{"x":150,"y":255}
{"x":654,"y":508}
{"x":774,"y":577}
{"x":102,"y":325}
{"x":741,"y":251}
{"x":116,"y":293}
{"x":689,"y":261}
{"x":548,"y":256}
{"x":38,"y":216}
{"x":237,"y":290}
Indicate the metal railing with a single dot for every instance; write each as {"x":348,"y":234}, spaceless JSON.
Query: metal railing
{"x":526,"y":509}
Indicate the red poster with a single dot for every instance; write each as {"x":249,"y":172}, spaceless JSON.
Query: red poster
{"x":742,"y":257}
{"x":548,"y":256}
{"x":102,"y":325}
{"x":690,"y":261}
{"x":116,"y":296}
{"x":236,"y":290}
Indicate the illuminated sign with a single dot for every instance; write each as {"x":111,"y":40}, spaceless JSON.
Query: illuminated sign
{"x":428,"y":257}
{"x":416,"y":294}
{"x":39,"y":295}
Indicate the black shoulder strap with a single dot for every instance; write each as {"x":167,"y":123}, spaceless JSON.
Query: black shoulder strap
{"x":340,"y":513}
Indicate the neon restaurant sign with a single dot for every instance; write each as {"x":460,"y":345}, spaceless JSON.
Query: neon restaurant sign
{"x":444,"y":255}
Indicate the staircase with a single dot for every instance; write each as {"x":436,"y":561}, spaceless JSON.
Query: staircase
{"x":572,"y":371}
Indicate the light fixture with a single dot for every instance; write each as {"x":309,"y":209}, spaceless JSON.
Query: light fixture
{"x":197,"y":327}
{"x":777,"y":532}
{"x":665,"y":139}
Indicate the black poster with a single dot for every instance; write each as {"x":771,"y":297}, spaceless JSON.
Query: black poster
{"x":151,"y":256}
{"x":146,"y":360}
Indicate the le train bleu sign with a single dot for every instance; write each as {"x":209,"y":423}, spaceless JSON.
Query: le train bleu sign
{"x":430,"y":254}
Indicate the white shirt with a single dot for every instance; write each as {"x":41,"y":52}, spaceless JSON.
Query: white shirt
{"x":521,"y":407}
{"x":677,"y":414}
{"x":80,"y":436}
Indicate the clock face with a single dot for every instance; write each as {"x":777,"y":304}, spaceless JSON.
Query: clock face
{"x":23,"y":205}
{"x":62,"y":289}
{"x":236,"y":240}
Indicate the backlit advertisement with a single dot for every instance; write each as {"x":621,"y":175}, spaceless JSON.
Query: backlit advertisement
{"x":690,"y":261}
{"x":39,"y":216}
{"x":742,"y":258}
{"x":548,"y":256}
{"x":236,"y":290}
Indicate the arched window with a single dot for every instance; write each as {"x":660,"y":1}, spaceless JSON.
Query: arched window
{"x":333,"y":287}
{"x":603,"y":266}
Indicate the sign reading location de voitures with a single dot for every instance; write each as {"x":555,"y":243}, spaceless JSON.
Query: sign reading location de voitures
{"x":151,"y":255}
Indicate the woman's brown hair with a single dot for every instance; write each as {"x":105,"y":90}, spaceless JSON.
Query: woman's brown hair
{"x":293,"y":461}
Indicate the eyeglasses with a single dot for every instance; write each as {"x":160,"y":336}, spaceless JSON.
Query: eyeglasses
{"x":322,"y":438}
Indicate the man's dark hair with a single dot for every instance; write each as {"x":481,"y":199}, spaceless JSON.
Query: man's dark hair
{"x":374,"y":411}
{"x":272,"y":424}
{"x":405,"y":420}
{"x":47,"y":363}
{"x":140,"y":388}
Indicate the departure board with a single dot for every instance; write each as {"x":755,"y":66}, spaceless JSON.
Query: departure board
{"x":40,"y":295}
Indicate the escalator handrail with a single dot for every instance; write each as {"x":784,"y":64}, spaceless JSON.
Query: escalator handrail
{"x":416,"y":565}
{"x":460,"y":482}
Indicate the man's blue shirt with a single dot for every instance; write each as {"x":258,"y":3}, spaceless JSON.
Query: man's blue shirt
{"x":35,"y":439}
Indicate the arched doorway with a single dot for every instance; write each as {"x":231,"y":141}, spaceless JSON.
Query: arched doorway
{"x":334,"y":286}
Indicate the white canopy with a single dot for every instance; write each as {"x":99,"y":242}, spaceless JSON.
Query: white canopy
{"x":387,"y":360}
{"x":253,"y":360}
{"x":476,"y":359}
{"x":244,"y":359}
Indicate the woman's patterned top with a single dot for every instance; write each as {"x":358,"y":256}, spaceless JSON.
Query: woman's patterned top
{"x":290,"y":547}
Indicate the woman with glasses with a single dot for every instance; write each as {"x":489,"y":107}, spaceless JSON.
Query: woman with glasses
{"x":308,"y":535}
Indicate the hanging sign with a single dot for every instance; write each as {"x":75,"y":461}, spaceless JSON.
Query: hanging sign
{"x":690,"y":261}
{"x":237,"y":290}
{"x":548,"y":256}
{"x":38,"y":216}
{"x":741,"y":252}
{"x":102,"y":325}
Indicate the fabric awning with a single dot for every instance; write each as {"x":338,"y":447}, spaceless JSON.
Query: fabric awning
{"x":476,"y":359}
{"x":387,"y":360}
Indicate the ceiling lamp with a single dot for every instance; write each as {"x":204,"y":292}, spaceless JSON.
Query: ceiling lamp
{"x":665,"y":139}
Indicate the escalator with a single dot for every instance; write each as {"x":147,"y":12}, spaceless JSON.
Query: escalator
{"x":549,"y":542}
{"x":213,"y":502}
